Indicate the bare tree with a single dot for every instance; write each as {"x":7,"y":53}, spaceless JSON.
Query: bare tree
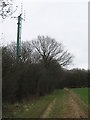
{"x":6,"y":8}
{"x":49,"y":49}
{"x":25,"y":51}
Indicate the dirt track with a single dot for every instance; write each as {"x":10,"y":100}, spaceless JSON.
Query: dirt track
{"x":72,"y":107}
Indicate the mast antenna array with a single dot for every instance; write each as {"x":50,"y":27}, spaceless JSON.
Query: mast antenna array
{"x":19,"y":27}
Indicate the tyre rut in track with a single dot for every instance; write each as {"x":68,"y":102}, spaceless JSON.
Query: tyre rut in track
{"x":49,"y":108}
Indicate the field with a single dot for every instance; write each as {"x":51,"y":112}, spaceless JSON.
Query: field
{"x":59,"y":104}
{"x":82,"y":93}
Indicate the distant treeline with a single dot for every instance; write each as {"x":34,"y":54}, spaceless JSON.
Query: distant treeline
{"x":37,"y":72}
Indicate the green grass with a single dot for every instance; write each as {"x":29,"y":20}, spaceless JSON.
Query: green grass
{"x":57,"y":108}
{"x":28,"y":109}
{"x":82,"y":93}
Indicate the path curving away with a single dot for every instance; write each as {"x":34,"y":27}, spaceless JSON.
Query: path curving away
{"x":71,"y":106}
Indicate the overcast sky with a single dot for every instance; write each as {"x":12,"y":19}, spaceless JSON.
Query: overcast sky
{"x":64,"y":20}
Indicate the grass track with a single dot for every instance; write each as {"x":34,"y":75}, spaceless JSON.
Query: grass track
{"x":28,"y":109}
{"x":37,"y":107}
{"x":56,"y":111}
